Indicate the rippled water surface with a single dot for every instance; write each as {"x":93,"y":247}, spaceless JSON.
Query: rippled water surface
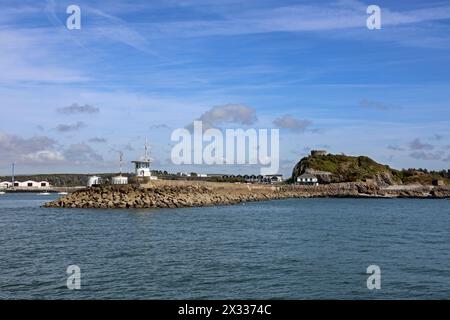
{"x":288,"y":249}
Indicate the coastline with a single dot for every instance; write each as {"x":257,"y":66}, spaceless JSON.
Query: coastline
{"x":178,"y":194}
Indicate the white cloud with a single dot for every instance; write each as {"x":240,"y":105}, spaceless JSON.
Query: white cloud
{"x":376,"y":105}
{"x":11,"y":145}
{"x":44,"y":156}
{"x":34,"y":150}
{"x":70,"y":127}
{"x":98,"y":140}
{"x":295,"y":18}
{"x":75,"y":108}
{"x":101,"y":26}
{"x":29,"y":56}
{"x":291,"y":123}
{"x":82,"y":153}
{"x":229,"y":113}
{"x":416,"y":144}
{"x":421,"y":155}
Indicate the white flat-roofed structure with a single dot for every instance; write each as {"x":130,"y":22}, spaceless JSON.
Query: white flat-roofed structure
{"x":142,"y":167}
{"x":119,"y":180}
{"x":307,"y":179}
{"x":273,"y":178}
{"x":44,"y":184}
{"x":28,"y":184}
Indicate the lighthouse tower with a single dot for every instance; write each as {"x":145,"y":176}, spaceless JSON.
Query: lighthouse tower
{"x":142,"y":167}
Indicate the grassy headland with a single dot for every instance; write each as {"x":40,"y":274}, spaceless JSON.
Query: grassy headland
{"x":335,"y":168}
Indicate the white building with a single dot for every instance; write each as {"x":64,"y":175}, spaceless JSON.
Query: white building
{"x":273,"y":178}
{"x":44,"y":184}
{"x":183,"y":174}
{"x":5,"y":185}
{"x":308,"y":179}
{"x":119,"y":180}
{"x":93,"y":180}
{"x":142,"y":167}
{"x":27,"y":184}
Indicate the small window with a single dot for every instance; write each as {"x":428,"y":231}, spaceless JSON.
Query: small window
{"x":43,"y":184}
{"x":16,"y":184}
{"x":30,"y":184}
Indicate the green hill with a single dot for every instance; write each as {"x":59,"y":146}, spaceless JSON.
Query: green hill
{"x":332,"y":168}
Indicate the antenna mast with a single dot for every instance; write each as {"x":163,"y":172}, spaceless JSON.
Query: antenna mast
{"x":13,"y":167}
{"x":120,"y":162}
{"x":146,"y":149}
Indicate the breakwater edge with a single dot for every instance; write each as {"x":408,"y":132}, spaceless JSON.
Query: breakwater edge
{"x":178,"y":194}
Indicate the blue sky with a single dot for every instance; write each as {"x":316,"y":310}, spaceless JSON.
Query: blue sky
{"x":70,"y":99}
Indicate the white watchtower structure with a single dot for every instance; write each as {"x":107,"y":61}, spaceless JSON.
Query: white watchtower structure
{"x":142,"y":167}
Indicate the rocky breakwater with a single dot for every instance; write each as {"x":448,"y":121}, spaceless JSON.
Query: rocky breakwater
{"x":167,"y":196}
{"x":192,"y":194}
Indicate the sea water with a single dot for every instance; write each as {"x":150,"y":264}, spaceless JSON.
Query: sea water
{"x":285,"y":249}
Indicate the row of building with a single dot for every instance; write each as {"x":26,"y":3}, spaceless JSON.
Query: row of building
{"x":25,"y":184}
{"x":276,"y":178}
{"x":270,"y":178}
{"x":304,"y":179}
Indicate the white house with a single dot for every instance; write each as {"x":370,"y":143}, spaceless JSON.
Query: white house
{"x":308,"y":179}
{"x":273,"y":178}
{"x":5,"y":184}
